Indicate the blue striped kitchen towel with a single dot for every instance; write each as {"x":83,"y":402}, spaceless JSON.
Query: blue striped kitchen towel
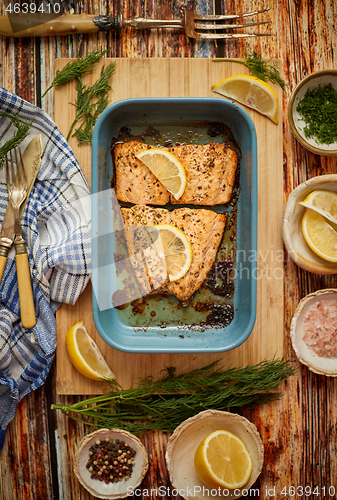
{"x":56,"y":226}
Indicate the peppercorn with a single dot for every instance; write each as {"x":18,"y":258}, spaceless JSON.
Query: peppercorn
{"x":108,"y":463}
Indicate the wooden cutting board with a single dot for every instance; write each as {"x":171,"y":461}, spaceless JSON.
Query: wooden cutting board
{"x":180,"y":77}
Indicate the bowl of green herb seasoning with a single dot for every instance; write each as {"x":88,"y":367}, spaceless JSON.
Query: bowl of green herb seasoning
{"x":312,"y":112}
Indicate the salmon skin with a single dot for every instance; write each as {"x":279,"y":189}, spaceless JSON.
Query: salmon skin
{"x":204,"y":230}
{"x":210,"y":174}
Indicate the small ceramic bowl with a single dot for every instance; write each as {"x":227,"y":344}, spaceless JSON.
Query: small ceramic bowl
{"x":292,"y":234}
{"x":306,"y":355}
{"x":188,"y":435}
{"x":296,"y":122}
{"x":100,"y":489}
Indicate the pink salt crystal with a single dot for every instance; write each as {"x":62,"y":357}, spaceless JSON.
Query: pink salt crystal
{"x":320,"y":328}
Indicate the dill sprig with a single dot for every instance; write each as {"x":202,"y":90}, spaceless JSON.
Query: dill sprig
{"x":264,"y":70}
{"x":18,"y":137}
{"x":165,"y":403}
{"x":75,"y":69}
{"x":87,"y":108}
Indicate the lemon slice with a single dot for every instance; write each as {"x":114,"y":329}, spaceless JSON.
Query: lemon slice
{"x":320,"y":235}
{"x":252,"y":92}
{"x":167,"y":168}
{"x":223,"y":461}
{"x":324,"y":202}
{"x":175,"y":247}
{"x":85,"y":355}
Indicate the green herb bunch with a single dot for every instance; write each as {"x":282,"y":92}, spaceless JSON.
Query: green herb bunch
{"x":318,"y":109}
{"x":90,"y":103}
{"x":75,"y":69}
{"x":90,"y":100}
{"x":264,"y":70}
{"x":21,"y":133}
{"x":165,"y":403}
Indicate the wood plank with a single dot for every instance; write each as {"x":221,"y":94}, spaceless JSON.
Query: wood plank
{"x":296,"y":454}
{"x":185,"y":77}
{"x":23,"y":457}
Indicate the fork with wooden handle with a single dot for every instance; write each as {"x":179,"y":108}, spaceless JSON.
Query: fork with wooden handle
{"x":195,"y":25}
{"x":17,"y":192}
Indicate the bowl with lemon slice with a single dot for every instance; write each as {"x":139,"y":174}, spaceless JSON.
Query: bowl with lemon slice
{"x":310,"y":225}
{"x":214,"y":454}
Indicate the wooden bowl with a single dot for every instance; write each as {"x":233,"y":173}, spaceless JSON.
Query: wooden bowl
{"x":317,"y":364}
{"x":296,"y":122}
{"x":188,"y":435}
{"x":292,"y":234}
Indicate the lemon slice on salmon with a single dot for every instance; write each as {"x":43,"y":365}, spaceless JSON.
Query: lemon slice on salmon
{"x":167,"y":168}
{"x":251,"y":92}
{"x":175,"y":247}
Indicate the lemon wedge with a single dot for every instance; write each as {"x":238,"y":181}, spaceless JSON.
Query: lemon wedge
{"x":320,"y":235}
{"x":167,"y":168}
{"x":85,"y":355}
{"x":223,"y":461}
{"x":324,"y":202}
{"x":251,"y":92}
{"x":175,"y":247}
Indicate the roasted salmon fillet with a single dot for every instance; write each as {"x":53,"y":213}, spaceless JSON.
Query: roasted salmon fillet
{"x":148,"y":265}
{"x":134,"y":182}
{"x":210,"y":174}
{"x":204,"y":230}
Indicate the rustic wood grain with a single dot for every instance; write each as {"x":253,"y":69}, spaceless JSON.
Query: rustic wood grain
{"x":24,"y":458}
{"x":159,"y":77}
{"x":299,"y":431}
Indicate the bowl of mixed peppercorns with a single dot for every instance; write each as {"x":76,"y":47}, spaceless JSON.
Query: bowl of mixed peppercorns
{"x":312,"y":112}
{"x":110,"y":463}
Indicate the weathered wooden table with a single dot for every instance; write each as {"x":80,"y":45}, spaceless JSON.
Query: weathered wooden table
{"x":299,"y":431}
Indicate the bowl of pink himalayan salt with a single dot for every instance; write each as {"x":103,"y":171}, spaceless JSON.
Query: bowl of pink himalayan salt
{"x":313,"y":332}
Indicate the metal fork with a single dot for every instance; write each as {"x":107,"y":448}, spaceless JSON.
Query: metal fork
{"x":195,"y":25}
{"x":208,"y":26}
{"x":17,"y":191}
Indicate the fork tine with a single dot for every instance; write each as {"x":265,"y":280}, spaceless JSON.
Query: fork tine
{"x":223,"y":17}
{"x":228,"y":36}
{"x":17,"y":174}
{"x":199,"y":26}
{"x":7,"y":173}
{"x":12,"y":179}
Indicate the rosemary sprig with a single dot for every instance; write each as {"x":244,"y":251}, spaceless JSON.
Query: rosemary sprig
{"x":76,"y":68}
{"x":264,"y":70}
{"x":87,"y":108}
{"x":19,"y":136}
{"x":165,"y":403}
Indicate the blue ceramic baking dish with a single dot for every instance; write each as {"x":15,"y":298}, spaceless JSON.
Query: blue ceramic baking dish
{"x":220,"y":317}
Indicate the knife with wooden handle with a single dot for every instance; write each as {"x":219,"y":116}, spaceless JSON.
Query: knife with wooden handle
{"x":44,"y":24}
{"x":32,"y":160}
{"x":27,"y":309}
